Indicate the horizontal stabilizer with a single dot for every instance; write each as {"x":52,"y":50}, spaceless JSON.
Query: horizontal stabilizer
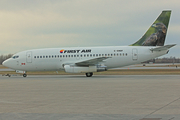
{"x":160,"y":48}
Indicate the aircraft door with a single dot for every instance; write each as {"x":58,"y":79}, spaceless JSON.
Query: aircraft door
{"x":134,"y":54}
{"x":29,"y":57}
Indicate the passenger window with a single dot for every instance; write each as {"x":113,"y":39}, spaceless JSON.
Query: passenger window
{"x":49,"y":56}
{"x":126,"y":54}
{"x":43,"y":56}
{"x":74,"y":55}
{"x":55,"y":56}
{"x":90,"y":55}
{"x":81,"y":55}
{"x":102,"y":54}
{"x":99,"y":54}
{"x":84,"y":55}
{"x":93,"y":55}
{"x":87,"y":55}
{"x":34,"y":56}
{"x":71,"y":55}
{"x":37,"y":56}
{"x":40,"y":56}
{"x":96,"y":55}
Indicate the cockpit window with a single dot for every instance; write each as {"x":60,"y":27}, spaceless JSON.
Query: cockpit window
{"x":16,"y":56}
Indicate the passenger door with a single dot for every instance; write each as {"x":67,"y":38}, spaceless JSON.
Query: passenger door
{"x":134,"y":54}
{"x":29,"y":57}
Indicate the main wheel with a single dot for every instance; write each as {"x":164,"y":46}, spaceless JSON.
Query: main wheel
{"x":24,"y":75}
{"x":89,"y":74}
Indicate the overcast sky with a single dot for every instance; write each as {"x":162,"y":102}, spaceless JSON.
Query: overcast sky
{"x":32,"y":24}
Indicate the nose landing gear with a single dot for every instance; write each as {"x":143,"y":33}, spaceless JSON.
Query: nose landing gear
{"x":24,"y":75}
{"x":22,"y":72}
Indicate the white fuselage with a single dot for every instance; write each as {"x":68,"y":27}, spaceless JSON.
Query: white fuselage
{"x":54,"y":59}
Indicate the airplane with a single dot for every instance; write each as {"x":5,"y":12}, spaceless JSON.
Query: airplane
{"x":95,"y":59}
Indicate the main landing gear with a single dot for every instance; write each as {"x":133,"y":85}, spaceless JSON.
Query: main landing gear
{"x":89,"y":74}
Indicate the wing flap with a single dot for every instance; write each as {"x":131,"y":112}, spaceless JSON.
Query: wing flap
{"x":91,"y":61}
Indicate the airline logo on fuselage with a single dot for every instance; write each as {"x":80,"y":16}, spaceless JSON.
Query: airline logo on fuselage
{"x":76,"y":51}
{"x":61,"y":51}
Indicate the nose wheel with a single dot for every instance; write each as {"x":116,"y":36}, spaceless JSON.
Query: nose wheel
{"x":24,"y":75}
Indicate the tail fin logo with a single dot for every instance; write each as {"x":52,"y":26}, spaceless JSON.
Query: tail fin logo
{"x":156,"y":34}
{"x":157,"y":38}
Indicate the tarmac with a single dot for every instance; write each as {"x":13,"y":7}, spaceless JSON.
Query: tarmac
{"x":101,"y":97}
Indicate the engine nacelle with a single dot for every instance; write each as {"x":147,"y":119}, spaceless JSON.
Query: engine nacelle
{"x":83,"y":69}
{"x":77,"y":69}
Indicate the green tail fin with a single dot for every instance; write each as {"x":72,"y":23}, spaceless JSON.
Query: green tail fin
{"x":156,"y":34}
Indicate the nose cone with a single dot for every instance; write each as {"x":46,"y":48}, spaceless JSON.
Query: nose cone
{"x":4,"y":63}
{"x":7,"y":63}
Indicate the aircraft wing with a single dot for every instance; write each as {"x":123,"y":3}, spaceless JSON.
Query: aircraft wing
{"x":91,"y":61}
{"x":160,"y":48}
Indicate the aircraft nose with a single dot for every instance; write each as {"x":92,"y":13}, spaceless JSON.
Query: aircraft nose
{"x":4,"y":63}
{"x":10,"y":63}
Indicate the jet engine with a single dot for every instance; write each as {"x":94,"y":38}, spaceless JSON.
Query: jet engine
{"x":83,"y":69}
